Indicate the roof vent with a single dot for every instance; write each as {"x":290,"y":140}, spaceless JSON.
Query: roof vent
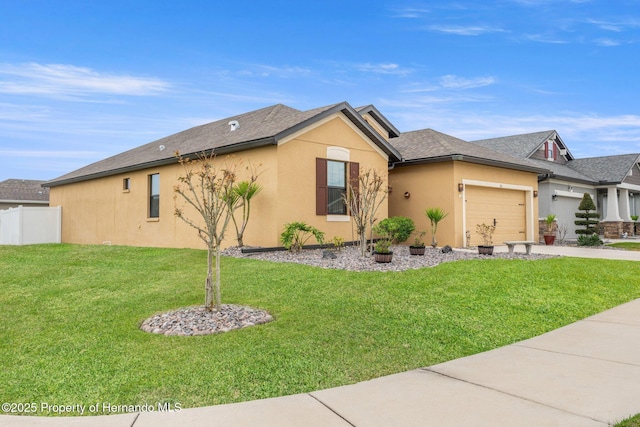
{"x":234,"y":125}
{"x":162,"y":147}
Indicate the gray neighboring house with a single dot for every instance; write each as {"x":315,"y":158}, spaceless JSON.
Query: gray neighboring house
{"x":23,"y":192}
{"x":612,"y":181}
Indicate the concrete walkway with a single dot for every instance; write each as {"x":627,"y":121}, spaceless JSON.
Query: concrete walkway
{"x":584,"y":374}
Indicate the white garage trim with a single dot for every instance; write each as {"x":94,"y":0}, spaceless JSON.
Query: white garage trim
{"x":530,"y":219}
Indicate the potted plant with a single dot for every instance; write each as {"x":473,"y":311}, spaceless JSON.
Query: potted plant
{"x":418,"y":247}
{"x":550,"y":234}
{"x":435,"y":215}
{"x":486,"y":232}
{"x":383,"y":252}
{"x":634,"y":218}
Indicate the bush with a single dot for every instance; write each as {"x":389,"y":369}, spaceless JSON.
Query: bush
{"x":589,"y":240}
{"x":588,"y":219}
{"x":396,"y":228}
{"x":296,"y":234}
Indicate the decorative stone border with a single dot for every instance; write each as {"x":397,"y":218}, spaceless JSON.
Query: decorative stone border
{"x":191,"y":321}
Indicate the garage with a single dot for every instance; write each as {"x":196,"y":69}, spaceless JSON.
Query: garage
{"x":505,"y":208}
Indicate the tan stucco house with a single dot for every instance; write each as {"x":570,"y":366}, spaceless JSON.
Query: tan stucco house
{"x":612,"y":181}
{"x":305,"y":158}
{"x":473,"y":184}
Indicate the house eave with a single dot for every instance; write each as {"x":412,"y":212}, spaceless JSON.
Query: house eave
{"x":228,"y":149}
{"x":471,"y":159}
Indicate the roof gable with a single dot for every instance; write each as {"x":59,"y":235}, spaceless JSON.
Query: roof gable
{"x":430,"y":145}
{"x":257,"y":128}
{"x":607,"y":169}
{"x":382,"y":121}
{"x":522,"y":146}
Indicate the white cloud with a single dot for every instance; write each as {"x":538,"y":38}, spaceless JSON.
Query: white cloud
{"x":389,"y":68}
{"x":608,"y":42}
{"x":451,"y":81}
{"x":62,"y":80}
{"x":409,"y":12}
{"x":470,"y":30}
{"x":49,"y":154}
{"x":285,"y":71}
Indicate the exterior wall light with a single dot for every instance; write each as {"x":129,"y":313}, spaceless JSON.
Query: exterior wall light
{"x":535,"y":193}
{"x":460,"y":187}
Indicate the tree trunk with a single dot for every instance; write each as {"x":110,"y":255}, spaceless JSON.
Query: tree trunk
{"x":218,"y":297}
{"x":208,"y":288}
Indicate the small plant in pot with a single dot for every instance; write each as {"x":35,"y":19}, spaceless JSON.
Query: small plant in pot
{"x":486,"y":232}
{"x":382,"y":251}
{"x":418,"y":248}
{"x":550,"y":234}
{"x":634,"y":218}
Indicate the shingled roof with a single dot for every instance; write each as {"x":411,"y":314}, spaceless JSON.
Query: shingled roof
{"x":23,"y":190}
{"x":524,"y":145}
{"x":257,"y":128}
{"x":428,"y":145}
{"x":594,"y":170}
{"x":607,"y":169}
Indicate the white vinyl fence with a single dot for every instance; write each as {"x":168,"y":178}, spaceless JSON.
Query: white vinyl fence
{"x":29,"y":226}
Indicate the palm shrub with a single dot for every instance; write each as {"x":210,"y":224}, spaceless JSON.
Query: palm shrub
{"x":588,"y":218}
{"x":435,"y":215}
{"x":296,"y":234}
{"x":397,"y":228}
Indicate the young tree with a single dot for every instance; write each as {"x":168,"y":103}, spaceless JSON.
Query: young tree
{"x":435,"y":215}
{"x":588,"y":218}
{"x":242,"y":193}
{"x":208,"y":188}
{"x":364,"y":196}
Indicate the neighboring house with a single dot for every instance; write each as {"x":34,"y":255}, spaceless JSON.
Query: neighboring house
{"x":612,"y":181}
{"x":306,"y":158}
{"x":473,"y":184}
{"x":23,"y":192}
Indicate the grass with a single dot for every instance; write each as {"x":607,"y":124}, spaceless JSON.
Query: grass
{"x":70,"y":316}
{"x":629,"y":246}
{"x":630,"y":422}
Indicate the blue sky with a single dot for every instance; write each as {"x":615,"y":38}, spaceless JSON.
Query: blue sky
{"x":83,"y":80}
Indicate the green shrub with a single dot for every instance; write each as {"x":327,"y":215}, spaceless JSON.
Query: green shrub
{"x":396,"y":228}
{"x":589,"y":240}
{"x":588,"y":219}
{"x":296,"y":234}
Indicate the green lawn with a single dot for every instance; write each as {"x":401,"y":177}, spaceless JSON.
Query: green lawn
{"x":629,"y":246}
{"x":630,"y":422}
{"x":69,"y":318}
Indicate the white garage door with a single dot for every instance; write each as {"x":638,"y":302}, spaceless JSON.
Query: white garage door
{"x":504,"y":208}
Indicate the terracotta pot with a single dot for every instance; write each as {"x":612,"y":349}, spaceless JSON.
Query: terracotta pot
{"x":385,"y":257}
{"x":416,"y":250}
{"x":485,"y":250}
{"x":549,"y":240}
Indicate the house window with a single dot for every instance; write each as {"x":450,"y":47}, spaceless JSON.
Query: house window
{"x":154,"y":195}
{"x":550,"y":149}
{"x":337,"y":187}
{"x":126,"y":185}
{"x":331,"y":185}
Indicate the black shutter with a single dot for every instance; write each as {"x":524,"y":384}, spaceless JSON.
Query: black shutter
{"x":322,"y":190}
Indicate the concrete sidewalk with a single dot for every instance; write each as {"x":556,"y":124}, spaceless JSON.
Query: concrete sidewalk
{"x":577,"y":251}
{"x":584,"y":374}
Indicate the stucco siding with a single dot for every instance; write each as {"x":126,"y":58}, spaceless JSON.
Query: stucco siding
{"x":99,"y":210}
{"x":436,"y":185}
{"x":296,"y":174}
